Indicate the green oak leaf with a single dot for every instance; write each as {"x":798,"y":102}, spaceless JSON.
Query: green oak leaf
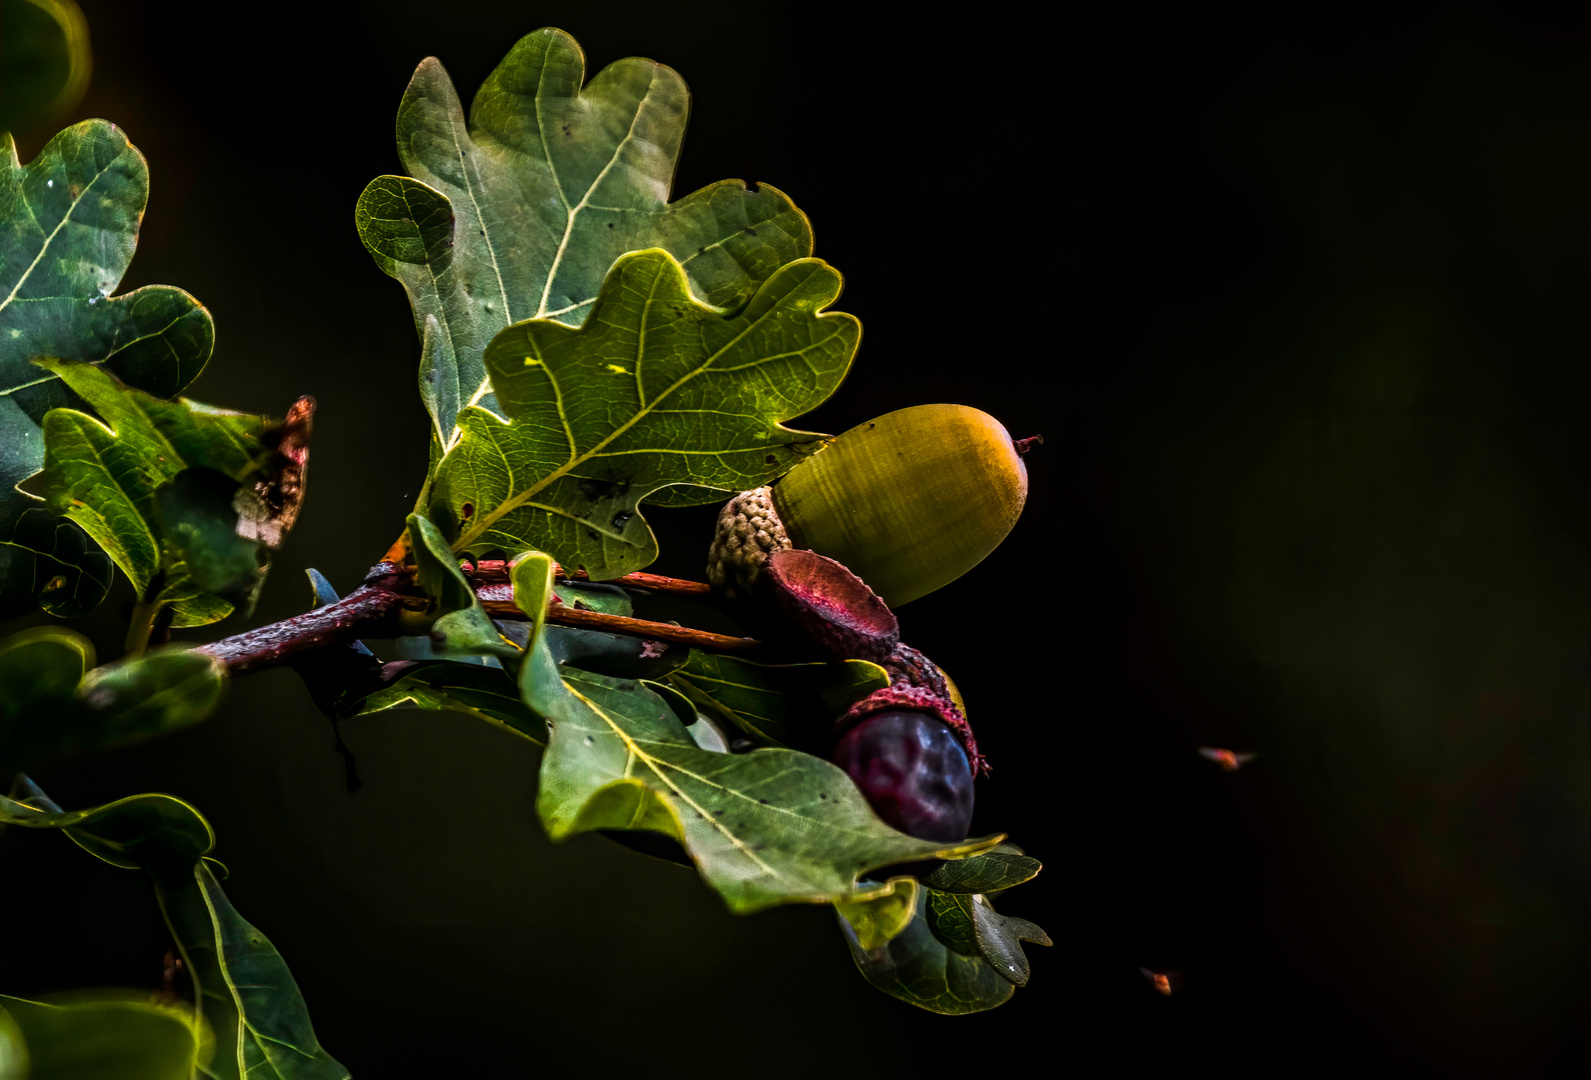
{"x":461,"y":623}
{"x":53,"y":701}
{"x":518,"y":213}
{"x":101,"y":1038}
{"x":879,"y":916}
{"x":968,"y":924}
{"x":488,"y":693}
{"x":137,"y":697}
{"x":654,"y":389}
{"x":777,"y":704}
{"x":141,"y":480}
{"x":245,"y":993}
{"x":39,"y":673}
{"x":44,"y":60}
{"x":916,"y":967}
{"x":763,"y":828}
{"x":987,"y":873}
{"x":68,"y":226}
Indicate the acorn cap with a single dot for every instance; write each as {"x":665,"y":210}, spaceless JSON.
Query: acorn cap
{"x":915,"y":699}
{"x":909,"y":501}
{"x":748,"y":531}
{"x":830,"y":606}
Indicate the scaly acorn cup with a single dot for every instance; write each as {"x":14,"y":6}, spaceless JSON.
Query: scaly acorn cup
{"x":909,"y":501}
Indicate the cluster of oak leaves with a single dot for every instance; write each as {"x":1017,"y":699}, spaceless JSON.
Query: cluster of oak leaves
{"x":536,"y":243}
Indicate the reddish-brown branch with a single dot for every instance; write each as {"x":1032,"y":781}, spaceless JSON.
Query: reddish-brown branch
{"x":564,"y":615}
{"x":372,"y":610}
{"x":375,"y":608}
{"x":496,"y":571}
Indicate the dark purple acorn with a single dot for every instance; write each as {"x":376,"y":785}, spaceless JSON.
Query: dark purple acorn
{"x":913,"y":770}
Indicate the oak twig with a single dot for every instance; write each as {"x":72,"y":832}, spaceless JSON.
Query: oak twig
{"x":495,"y":571}
{"x":564,"y":615}
{"x":372,"y":610}
{"x":375,"y":609}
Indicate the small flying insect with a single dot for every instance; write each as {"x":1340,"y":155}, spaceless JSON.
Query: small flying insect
{"x":1225,"y":758}
{"x":1166,"y":982}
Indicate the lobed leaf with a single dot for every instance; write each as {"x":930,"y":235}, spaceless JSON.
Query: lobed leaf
{"x":68,"y":227}
{"x":968,"y":924}
{"x":519,"y":212}
{"x":916,"y":967}
{"x":764,"y":828}
{"x":654,"y":389}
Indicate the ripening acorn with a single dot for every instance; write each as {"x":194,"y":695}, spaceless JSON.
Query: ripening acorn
{"x":908,"y":502}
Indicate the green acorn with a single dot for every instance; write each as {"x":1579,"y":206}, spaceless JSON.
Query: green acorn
{"x":908,"y":502}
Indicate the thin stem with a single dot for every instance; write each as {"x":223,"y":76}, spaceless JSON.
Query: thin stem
{"x":565,"y":615}
{"x":145,"y":612}
{"x":495,"y":571}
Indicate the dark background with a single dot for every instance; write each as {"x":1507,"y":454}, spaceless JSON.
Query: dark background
{"x":1300,"y":309}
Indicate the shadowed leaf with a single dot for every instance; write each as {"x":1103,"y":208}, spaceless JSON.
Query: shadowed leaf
{"x":53,"y":701}
{"x":654,"y":389}
{"x":51,"y":558}
{"x":262,"y":1027}
{"x":519,"y":213}
{"x":968,"y":923}
{"x":155,"y":481}
{"x":916,"y":967}
{"x":244,"y":990}
{"x":489,"y":693}
{"x":778,"y":704}
{"x":39,"y":672}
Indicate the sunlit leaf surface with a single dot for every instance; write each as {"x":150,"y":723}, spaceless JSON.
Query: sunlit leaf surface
{"x":654,"y":389}
{"x":519,"y":212}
